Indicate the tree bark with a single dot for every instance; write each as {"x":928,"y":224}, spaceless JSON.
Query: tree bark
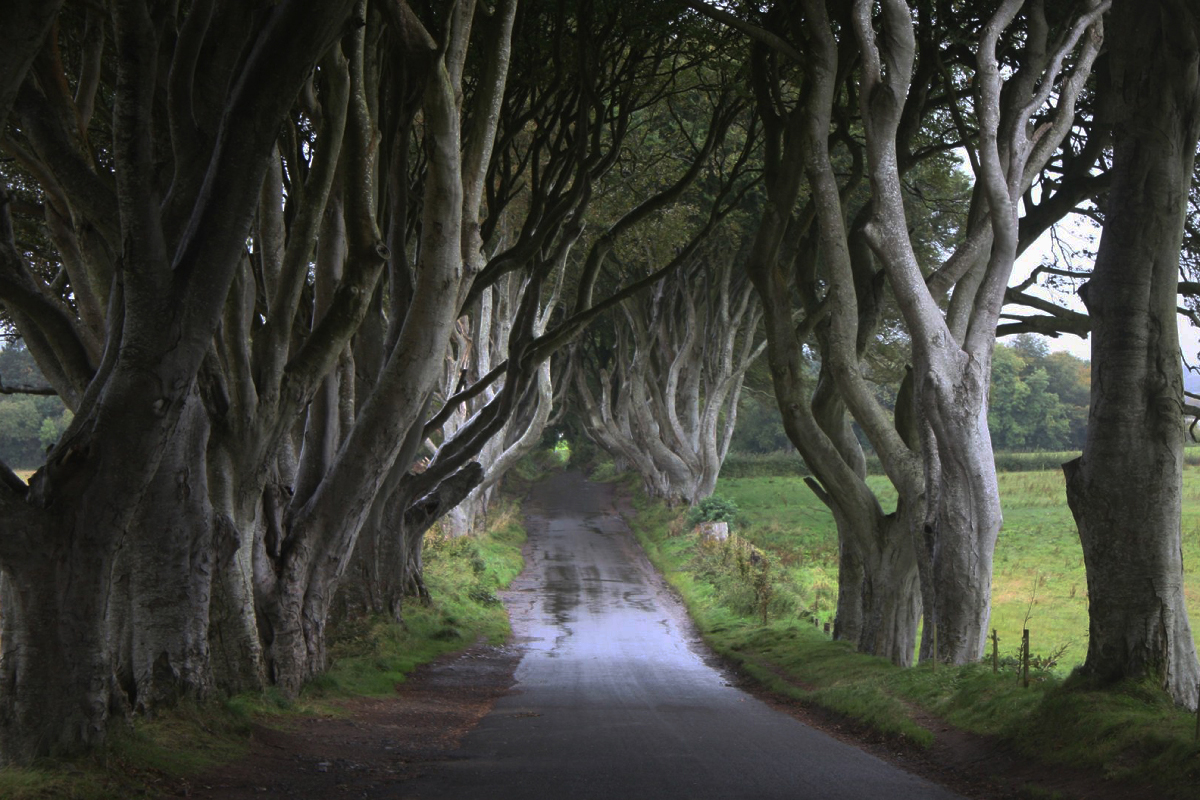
{"x":159,"y":613}
{"x":1126,"y":489}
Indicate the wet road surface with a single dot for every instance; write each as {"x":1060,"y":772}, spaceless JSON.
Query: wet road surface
{"x":613,"y":698}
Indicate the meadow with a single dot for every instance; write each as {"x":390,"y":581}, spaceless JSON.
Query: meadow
{"x":1038,"y":581}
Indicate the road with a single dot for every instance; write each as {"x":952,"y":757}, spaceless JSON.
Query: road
{"x":614,"y":698}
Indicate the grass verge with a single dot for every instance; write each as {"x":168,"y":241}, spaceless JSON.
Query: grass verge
{"x":368,"y":657}
{"x":1131,"y":734}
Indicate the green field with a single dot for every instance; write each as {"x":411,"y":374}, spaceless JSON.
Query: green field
{"x":1038,"y":564}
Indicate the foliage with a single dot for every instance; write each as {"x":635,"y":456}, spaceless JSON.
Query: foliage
{"x":1039,"y":400}
{"x":28,"y":423}
{"x":713,"y":508}
{"x":759,"y":429}
{"x":746,"y":579}
{"x":786,"y":462}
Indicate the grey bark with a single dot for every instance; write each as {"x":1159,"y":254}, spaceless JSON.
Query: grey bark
{"x":1126,"y":489}
{"x":878,"y":599}
{"x":162,"y":576}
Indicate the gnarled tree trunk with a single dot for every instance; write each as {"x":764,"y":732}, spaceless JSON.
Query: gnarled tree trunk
{"x":1126,"y":489}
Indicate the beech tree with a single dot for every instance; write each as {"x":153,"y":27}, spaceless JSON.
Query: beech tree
{"x":479,"y":345}
{"x":893,"y":72}
{"x":664,"y":401}
{"x":1125,"y":491}
{"x":149,"y":211}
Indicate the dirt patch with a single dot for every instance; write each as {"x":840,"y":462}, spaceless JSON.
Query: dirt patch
{"x":375,"y":744}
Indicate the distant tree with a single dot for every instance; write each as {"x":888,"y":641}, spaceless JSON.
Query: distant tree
{"x":759,"y":429}
{"x":667,"y":399}
{"x":1030,"y":347}
{"x":18,"y":370}
{"x":20,"y":425}
{"x":31,"y":416}
{"x":1023,"y":412}
{"x":1008,"y":398}
{"x":1071,"y":380}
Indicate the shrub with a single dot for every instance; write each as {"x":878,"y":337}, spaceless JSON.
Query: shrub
{"x":713,"y":508}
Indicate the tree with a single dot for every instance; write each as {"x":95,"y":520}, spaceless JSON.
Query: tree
{"x":20,"y":429}
{"x":666,"y":398}
{"x":1070,"y":379}
{"x":255,"y":315}
{"x":1125,"y":490}
{"x":952,"y":352}
{"x":936,"y":450}
{"x":1023,"y":413}
{"x":151,"y":227}
{"x":1009,"y":397}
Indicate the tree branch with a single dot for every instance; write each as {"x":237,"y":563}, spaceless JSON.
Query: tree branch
{"x":24,"y":25}
{"x":751,"y":30}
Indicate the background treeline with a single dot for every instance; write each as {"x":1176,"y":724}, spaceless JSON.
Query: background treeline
{"x":1038,"y":402}
{"x":29,"y":423}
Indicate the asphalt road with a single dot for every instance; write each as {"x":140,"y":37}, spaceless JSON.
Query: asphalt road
{"x":614,"y":698}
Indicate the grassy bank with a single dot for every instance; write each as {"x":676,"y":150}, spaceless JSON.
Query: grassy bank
{"x":783,"y":561}
{"x":369,"y":657}
{"x":1038,"y":582}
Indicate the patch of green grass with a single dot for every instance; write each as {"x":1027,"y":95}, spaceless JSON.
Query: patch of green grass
{"x":787,"y":463}
{"x":1132,"y":734}
{"x":51,"y":782}
{"x":370,"y":656}
{"x":1038,"y":574}
{"x":146,"y":759}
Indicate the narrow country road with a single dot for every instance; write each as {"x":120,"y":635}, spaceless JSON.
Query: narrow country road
{"x":614,"y":699}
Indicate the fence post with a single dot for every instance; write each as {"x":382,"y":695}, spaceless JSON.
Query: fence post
{"x":1025,"y":658}
{"x":995,"y":652}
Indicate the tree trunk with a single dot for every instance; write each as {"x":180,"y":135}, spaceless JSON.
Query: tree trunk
{"x":238,"y":522}
{"x":964,"y":516}
{"x":55,"y":670}
{"x":879,"y":597}
{"x":890,"y":596}
{"x":1126,"y":489}
{"x":163,"y":573}
{"x":60,"y":557}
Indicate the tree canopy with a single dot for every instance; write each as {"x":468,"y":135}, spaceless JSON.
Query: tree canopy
{"x":310,"y":277}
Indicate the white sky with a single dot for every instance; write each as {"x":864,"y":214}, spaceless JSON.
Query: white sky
{"x":1075,"y":232}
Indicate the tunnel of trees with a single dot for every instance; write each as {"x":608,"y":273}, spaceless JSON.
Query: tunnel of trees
{"x":301,"y":280}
